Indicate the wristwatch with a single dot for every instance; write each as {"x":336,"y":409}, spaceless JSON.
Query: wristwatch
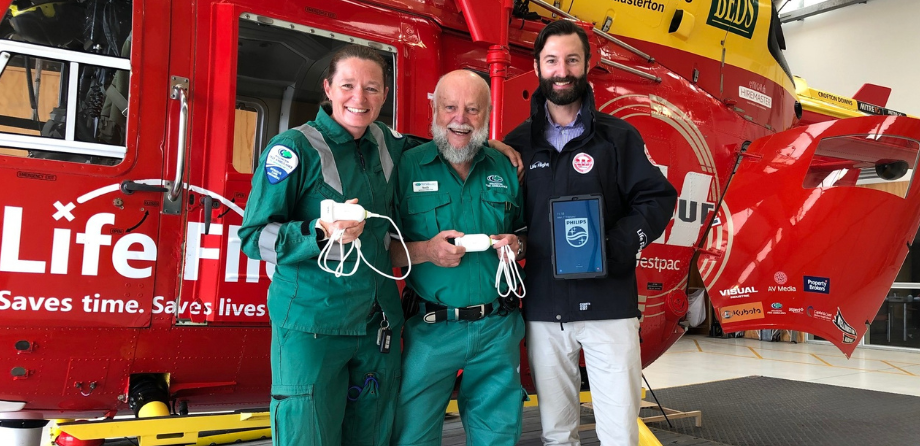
{"x":520,"y":246}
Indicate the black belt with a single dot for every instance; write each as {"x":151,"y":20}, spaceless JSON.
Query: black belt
{"x":432,"y":312}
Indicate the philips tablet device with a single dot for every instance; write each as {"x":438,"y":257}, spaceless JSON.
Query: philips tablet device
{"x":579,"y":242}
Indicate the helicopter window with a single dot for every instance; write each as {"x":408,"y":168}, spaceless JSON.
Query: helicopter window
{"x":883,"y":163}
{"x":249,"y":133}
{"x":64,"y":80}
{"x":279,"y":84}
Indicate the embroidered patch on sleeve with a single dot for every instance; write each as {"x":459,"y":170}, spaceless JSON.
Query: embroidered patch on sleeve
{"x":280,"y":163}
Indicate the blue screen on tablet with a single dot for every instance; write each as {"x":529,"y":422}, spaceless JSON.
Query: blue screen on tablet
{"x":578,"y":237}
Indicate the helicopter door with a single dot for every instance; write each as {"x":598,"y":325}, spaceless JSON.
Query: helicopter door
{"x":813,"y":228}
{"x":265,"y":76}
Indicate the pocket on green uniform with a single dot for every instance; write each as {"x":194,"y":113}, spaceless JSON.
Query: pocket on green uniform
{"x":293,"y":418}
{"x":423,"y":213}
{"x":498,"y":210}
{"x":362,"y":413}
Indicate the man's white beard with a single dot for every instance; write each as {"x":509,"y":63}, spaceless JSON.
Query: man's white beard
{"x":463,"y":154}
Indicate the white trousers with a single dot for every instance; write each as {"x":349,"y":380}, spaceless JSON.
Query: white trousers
{"x":614,"y":364}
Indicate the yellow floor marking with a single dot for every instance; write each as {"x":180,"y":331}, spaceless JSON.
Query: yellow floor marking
{"x":792,"y":352}
{"x":810,"y":363}
{"x":814,"y":355}
{"x":905,"y":371}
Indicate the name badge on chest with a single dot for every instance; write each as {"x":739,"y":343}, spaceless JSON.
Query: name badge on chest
{"x":425,"y":186}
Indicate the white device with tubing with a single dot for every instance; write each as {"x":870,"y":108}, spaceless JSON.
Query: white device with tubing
{"x":330,"y":212}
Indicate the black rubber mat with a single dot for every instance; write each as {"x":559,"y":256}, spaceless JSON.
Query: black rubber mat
{"x":530,"y":433}
{"x":761,"y":411}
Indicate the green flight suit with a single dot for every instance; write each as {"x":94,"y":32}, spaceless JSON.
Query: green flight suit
{"x":324,"y":329}
{"x":432,"y":198}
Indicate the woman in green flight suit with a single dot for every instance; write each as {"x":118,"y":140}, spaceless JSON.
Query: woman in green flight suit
{"x":331,"y":384}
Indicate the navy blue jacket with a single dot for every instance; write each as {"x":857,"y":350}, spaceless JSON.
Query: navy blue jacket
{"x":638,"y":203}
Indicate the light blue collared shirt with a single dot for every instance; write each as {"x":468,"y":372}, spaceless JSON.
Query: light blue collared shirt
{"x":559,"y":135}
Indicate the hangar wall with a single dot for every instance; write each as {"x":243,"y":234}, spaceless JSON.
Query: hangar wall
{"x":877,"y":42}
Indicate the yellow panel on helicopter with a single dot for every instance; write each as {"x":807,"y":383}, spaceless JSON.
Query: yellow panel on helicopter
{"x":742,"y":28}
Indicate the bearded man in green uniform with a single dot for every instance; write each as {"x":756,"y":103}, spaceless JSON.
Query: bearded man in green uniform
{"x":446,"y":188}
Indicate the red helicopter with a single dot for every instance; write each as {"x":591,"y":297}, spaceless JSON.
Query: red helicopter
{"x":129,"y":131}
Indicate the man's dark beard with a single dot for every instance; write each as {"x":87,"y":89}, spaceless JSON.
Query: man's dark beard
{"x":579,"y":87}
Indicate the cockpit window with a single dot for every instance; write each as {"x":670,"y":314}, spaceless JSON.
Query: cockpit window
{"x":64,"y":77}
{"x":883,"y":163}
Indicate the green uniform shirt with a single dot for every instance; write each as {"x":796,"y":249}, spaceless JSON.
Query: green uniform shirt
{"x":432,"y":198}
{"x":300,"y":168}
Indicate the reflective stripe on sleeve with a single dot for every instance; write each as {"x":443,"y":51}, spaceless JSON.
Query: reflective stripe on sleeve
{"x":267,"y":240}
{"x":327,"y":162}
{"x":385,"y":161}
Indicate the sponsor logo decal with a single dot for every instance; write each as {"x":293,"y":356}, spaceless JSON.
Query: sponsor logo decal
{"x":583,"y":163}
{"x":693,"y":209}
{"x":799,"y":310}
{"x":776,"y":308}
{"x":643,"y":239}
{"x":782,"y":289}
{"x":849,"y":333}
{"x":584,"y":306}
{"x":780,"y":278}
{"x":539,"y":165}
{"x":818,"y":314}
{"x":743,"y":312}
{"x":738,"y":292}
{"x":658,"y":264}
{"x":654,"y":286}
{"x":755,"y":96}
{"x":735,"y":16}
{"x":646,"y":4}
{"x":876,"y":110}
{"x":280,"y":163}
{"x":835,"y":98}
{"x":576,"y":232}
{"x":817,"y":284}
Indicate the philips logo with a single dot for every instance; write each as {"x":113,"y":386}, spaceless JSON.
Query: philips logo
{"x":576,"y":232}
{"x":817,"y":284}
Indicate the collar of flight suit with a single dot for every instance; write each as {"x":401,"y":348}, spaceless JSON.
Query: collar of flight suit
{"x":334,"y":131}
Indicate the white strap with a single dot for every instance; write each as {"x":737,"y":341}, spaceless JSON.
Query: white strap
{"x":339,"y":271}
{"x":509,"y":269}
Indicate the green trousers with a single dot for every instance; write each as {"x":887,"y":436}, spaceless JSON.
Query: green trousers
{"x":490,"y":397}
{"x":333,"y":390}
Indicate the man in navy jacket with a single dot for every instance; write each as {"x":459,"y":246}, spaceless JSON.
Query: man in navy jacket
{"x":568,"y":148}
